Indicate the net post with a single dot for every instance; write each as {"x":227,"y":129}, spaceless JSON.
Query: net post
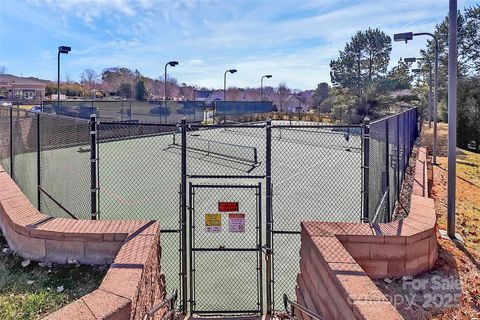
{"x":39,"y":149}
{"x":365,"y":167}
{"x":269,"y":218}
{"x":183,"y":191}
{"x":93,"y":167}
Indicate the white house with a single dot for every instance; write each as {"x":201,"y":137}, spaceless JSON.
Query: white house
{"x":294,"y":104}
{"x":213,"y":96}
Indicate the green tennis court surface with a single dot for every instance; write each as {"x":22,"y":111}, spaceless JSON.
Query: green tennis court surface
{"x":316,"y":175}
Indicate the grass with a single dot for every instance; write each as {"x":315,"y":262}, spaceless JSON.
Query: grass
{"x":465,"y":257}
{"x":21,"y":300}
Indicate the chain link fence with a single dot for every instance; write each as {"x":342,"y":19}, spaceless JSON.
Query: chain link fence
{"x":5,"y":138}
{"x":64,"y":166}
{"x":129,"y":111}
{"x":309,"y":170}
{"x":24,"y":151}
{"x":316,"y":175}
{"x":390,"y":146}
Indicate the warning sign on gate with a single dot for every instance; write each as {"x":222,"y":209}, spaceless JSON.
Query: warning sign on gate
{"x":227,"y":206}
{"x":236,"y":222}
{"x":213,"y":222}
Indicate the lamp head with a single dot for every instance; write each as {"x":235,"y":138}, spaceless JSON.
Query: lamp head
{"x":173,"y":63}
{"x":268,"y":76}
{"x":408,"y":60}
{"x":403,"y":36}
{"x":64,"y":49}
{"x":232,"y":70}
{"x":416,"y":70}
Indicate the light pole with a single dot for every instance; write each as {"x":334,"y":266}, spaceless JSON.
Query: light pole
{"x":171,"y":64}
{"x":409,"y":36}
{"x":232,"y":71}
{"x":65,"y":50}
{"x":429,"y":86}
{"x":268,"y":76}
{"x":452,"y":116}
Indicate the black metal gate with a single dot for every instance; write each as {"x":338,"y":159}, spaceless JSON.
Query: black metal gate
{"x":225,"y":254}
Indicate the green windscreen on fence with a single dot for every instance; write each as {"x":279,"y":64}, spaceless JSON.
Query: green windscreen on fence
{"x":242,"y":107}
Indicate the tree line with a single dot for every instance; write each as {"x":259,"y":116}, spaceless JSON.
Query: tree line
{"x":131,"y":84}
{"x":363,"y":85}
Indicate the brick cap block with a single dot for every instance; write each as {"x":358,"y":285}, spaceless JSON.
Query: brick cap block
{"x":380,"y":250}
{"x":131,"y":244}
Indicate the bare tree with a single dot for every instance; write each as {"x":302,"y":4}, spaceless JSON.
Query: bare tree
{"x":89,"y":79}
{"x":68,"y":78}
{"x":3,"y":69}
{"x":234,"y":94}
{"x":187,"y":92}
{"x":283,"y":93}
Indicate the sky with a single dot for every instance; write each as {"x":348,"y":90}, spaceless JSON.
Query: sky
{"x":292,"y":40}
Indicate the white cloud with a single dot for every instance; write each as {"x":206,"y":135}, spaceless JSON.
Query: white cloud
{"x":293,"y":40}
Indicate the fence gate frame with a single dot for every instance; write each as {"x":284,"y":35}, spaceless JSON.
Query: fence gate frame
{"x":257,"y":248}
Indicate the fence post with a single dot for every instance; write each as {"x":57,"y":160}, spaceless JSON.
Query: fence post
{"x":409,"y":128}
{"x":365,"y":166}
{"x":12,"y":175}
{"x":405,"y":143}
{"x":183,"y":191}
{"x":39,"y":149}
{"x":269,"y":217}
{"x":93,"y":166}
{"x":130,"y":113}
{"x":398,"y":157}
{"x":387,"y":169}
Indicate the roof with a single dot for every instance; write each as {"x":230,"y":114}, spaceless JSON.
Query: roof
{"x":203,"y":93}
{"x":9,"y":78}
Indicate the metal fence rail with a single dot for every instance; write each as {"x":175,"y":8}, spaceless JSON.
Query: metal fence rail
{"x":102,"y":169}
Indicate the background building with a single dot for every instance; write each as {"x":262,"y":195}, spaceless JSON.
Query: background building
{"x":19,"y":88}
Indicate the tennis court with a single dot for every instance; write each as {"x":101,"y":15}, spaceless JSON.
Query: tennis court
{"x":316,"y":175}
{"x":315,"y":170}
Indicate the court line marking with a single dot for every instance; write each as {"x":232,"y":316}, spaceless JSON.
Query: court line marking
{"x":306,"y":169}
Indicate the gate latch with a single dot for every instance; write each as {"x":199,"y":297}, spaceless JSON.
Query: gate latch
{"x":267,"y":250}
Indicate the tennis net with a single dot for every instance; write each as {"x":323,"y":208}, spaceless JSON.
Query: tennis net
{"x":222,"y":149}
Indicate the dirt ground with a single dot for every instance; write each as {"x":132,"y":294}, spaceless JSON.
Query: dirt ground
{"x":452,"y":289}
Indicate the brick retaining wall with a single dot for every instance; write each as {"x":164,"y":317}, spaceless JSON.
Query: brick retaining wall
{"x":134,"y":282}
{"x":338,"y":260}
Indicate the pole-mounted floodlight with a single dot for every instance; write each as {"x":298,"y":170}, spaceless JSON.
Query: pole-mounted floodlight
{"x":64,"y":50}
{"x":410,"y":60}
{"x":268,"y":76}
{"x":409,"y":36}
{"x":171,"y":64}
{"x":232,"y":71}
{"x":403,"y":36}
{"x":416,"y":70}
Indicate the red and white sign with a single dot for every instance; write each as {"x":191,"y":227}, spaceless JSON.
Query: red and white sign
{"x":236,"y":222}
{"x":227,"y":206}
